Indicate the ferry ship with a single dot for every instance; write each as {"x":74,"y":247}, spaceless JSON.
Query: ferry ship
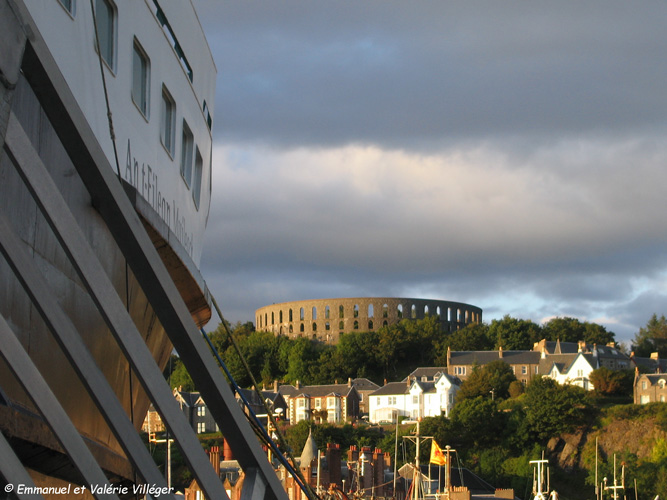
{"x":108,"y":87}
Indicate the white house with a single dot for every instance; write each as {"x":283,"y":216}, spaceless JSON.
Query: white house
{"x":573,"y":369}
{"x":413,"y":399}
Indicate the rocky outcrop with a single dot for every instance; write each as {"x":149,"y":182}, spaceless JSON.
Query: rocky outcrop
{"x":637,"y":436}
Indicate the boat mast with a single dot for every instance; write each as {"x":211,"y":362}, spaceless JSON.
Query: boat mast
{"x":448,"y":471}
{"x":616,"y":486}
{"x":416,"y":482}
{"x":538,"y":480}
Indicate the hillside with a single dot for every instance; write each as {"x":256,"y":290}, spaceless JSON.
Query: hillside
{"x":635,"y":434}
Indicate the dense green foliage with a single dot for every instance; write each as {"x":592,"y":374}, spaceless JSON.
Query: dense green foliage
{"x":389,"y":353}
{"x":492,"y":379}
{"x":612,"y":382}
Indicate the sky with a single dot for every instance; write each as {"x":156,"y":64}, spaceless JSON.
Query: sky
{"x":509,"y":155}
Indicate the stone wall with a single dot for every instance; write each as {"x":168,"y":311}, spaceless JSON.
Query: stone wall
{"x":327,"y":319}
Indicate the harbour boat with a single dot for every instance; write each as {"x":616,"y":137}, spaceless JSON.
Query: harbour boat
{"x":125,"y":87}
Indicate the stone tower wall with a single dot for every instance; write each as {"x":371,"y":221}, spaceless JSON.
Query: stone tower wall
{"x":327,"y":319}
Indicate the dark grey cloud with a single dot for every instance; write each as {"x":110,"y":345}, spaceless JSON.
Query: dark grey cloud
{"x":506,"y":154}
{"x":402,"y":75}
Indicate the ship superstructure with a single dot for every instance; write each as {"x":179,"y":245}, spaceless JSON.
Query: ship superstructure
{"x":105,"y":172}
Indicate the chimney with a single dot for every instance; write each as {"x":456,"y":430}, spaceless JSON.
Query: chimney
{"x":500,"y":352}
{"x":349,"y":381}
{"x":275,"y":386}
{"x":227,"y":451}
{"x":297,"y":385}
{"x":385,"y":382}
{"x":582,"y":346}
{"x":214,"y":456}
{"x":408,"y":381}
{"x":334,"y":463}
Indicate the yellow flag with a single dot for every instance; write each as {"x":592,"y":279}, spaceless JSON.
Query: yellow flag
{"x":437,"y":456}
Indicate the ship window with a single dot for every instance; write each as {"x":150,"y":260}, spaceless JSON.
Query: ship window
{"x":196,"y":182}
{"x":166,"y":27}
{"x":186,"y":154}
{"x":168,"y":121}
{"x":69,"y":6}
{"x":207,"y":115}
{"x":105,"y":19}
{"x":140,"y":78}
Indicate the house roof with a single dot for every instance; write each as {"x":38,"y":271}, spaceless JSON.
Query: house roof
{"x":189,"y":399}
{"x":564,"y":362}
{"x":426,"y":371}
{"x":654,"y":378}
{"x":391,"y":388}
{"x":363,"y":384}
{"x":316,"y":391}
{"x":425,"y":386}
{"x":654,"y":365}
{"x":485,"y":357}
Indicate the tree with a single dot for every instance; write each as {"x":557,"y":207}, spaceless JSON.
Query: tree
{"x":652,"y":337}
{"x":552,"y":409}
{"x":478,"y":421}
{"x":572,"y":330}
{"x":180,"y":378}
{"x":516,"y":389}
{"x":612,"y":382}
{"x":491,"y":380}
{"x":474,"y":337}
{"x":515,"y":334}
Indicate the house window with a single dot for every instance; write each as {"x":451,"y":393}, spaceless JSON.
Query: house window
{"x":201,"y":411}
{"x":168,"y":126}
{"x":459,"y":370}
{"x":196,"y":181}
{"x":318,"y":403}
{"x":301,"y":403}
{"x":140,"y":78}
{"x":188,"y":143}
{"x":391,"y":400}
{"x":415,"y":400}
{"x":524,"y":370}
{"x":201,"y":427}
{"x":105,"y":18}
{"x":644,"y":384}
